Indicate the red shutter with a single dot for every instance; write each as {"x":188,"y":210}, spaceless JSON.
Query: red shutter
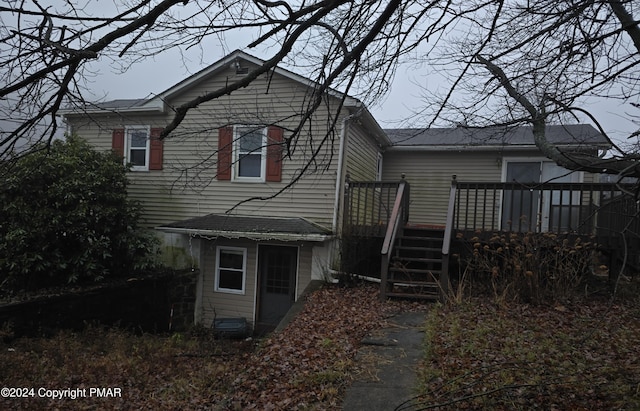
{"x":117,"y":141}
{"x":225,"y":140}
{"x":156,"y":147}
{"x":274,"y":154}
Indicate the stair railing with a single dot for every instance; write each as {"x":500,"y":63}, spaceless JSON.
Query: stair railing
{"x":446,"y":240}
{"x":397,"y":220}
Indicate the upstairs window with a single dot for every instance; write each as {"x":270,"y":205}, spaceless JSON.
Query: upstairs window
{"x":137,"y":147}
{"x":250,"y":153}
{"x":140,"y":146}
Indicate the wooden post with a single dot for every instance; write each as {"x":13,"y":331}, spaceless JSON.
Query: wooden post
{"x":446,"y":241}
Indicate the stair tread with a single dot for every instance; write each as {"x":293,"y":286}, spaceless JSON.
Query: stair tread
{"x":417,"y":259}
{"x":399,"y":265}
{"x":416,"y":296}
{"x":414,"y":237}
{"x":417,"y":248}
{"x":410,"y":283}
{"x":414,"y":270}
{"x":423,"y":229}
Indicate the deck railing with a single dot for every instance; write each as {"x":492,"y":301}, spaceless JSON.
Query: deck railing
{"x":397,"y":220}
{"x":582,"y":208}
{"x":369,"y":206}
{"x":446,"y":239}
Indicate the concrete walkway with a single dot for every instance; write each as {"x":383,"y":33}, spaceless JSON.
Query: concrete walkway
{"x":395,"y":353}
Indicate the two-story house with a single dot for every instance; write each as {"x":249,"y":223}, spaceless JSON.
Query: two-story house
{"x":261,"y":215}
{"x":255,"y":257}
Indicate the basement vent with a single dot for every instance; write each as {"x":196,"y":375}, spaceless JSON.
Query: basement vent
{"x":231,"y":328}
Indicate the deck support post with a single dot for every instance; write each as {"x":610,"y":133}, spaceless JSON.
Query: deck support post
{"x":446,"y":241}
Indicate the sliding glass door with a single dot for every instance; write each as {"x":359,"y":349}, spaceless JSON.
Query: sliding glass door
{"x":528,"y":208}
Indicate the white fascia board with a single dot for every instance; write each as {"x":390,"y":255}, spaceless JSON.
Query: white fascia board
{"x":152,"y":108}
{"x":227,"y":61}
{"x":248,"y":235}
{"x":461,"y":148}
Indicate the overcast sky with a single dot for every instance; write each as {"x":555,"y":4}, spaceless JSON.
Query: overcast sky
{"x":155,"y":75}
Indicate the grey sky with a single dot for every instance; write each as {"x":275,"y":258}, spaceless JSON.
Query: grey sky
{"x":155,"y":74}
{"x":159,"y":73}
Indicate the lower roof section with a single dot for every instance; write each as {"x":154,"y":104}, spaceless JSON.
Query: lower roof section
{"x":251,"y":227}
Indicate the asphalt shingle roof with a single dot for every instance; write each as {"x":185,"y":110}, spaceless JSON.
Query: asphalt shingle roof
{"x":221,"y":223}
{"x":575,"y":134}
{"x":121,"y":103}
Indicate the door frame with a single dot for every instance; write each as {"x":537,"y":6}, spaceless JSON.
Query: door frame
{"x":259,"y":274}
{"x":543,"y":201}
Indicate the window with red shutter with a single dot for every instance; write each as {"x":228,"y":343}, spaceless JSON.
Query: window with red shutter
{"x":156,"y":147}
{"x":140,"y":146}
{"x":117,"y":141}
{"x":225,"y":147}
{"x":275,"y":137}
{"x":250,"y":153}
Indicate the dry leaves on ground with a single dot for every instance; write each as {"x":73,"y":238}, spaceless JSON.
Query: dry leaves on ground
{"x":309,"y":363}
{"x":306,"y":366}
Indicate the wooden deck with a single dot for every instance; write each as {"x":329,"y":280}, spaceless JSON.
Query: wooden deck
{"x":413,"y":264}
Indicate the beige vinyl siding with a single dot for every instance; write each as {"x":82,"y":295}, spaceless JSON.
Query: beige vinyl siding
{"x":361,"y":161}
{"x":220,"y":304}
{"x":187,"y":187}
{"x":217,"y":304}
{"x":305,"y":258}
{"x":429,"y":174}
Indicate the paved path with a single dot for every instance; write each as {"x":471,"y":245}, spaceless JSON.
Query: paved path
{"x":398,"y":348}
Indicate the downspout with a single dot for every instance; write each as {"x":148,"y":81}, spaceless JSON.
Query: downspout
{"x":339,"y":177}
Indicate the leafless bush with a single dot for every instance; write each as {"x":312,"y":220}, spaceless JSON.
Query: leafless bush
{"x":528,"y":267}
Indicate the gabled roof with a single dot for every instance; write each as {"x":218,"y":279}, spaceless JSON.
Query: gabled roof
{"x":255,"y":228}
{"x":490,"y":138}
{"x":157,"y":102}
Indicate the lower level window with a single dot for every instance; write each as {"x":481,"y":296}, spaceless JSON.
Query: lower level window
{"x":231,"y":264}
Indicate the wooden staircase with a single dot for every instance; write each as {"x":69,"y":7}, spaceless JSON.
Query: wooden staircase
{"x":416,"y":264}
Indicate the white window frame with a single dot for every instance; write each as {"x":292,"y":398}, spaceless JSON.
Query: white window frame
{"x":236,"y":154}
{"x":243,"y":271}
{"x":127,"y":147}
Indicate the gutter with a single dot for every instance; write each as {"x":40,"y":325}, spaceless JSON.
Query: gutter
{"x":379,"y":135}
{"x":467,"y":148}
{"x":339,"y":179}
{"x":113,"y":110}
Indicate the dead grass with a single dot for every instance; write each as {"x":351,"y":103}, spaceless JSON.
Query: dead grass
{"x":581,"y":356}
{"x":153,"y":372}
{"x":479,"y":354}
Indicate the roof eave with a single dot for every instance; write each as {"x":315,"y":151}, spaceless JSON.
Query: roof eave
{"x":245,"y":234}
{"x":155,"y":108}
{"x":507,"y":147}
{"x":369,"y":121}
